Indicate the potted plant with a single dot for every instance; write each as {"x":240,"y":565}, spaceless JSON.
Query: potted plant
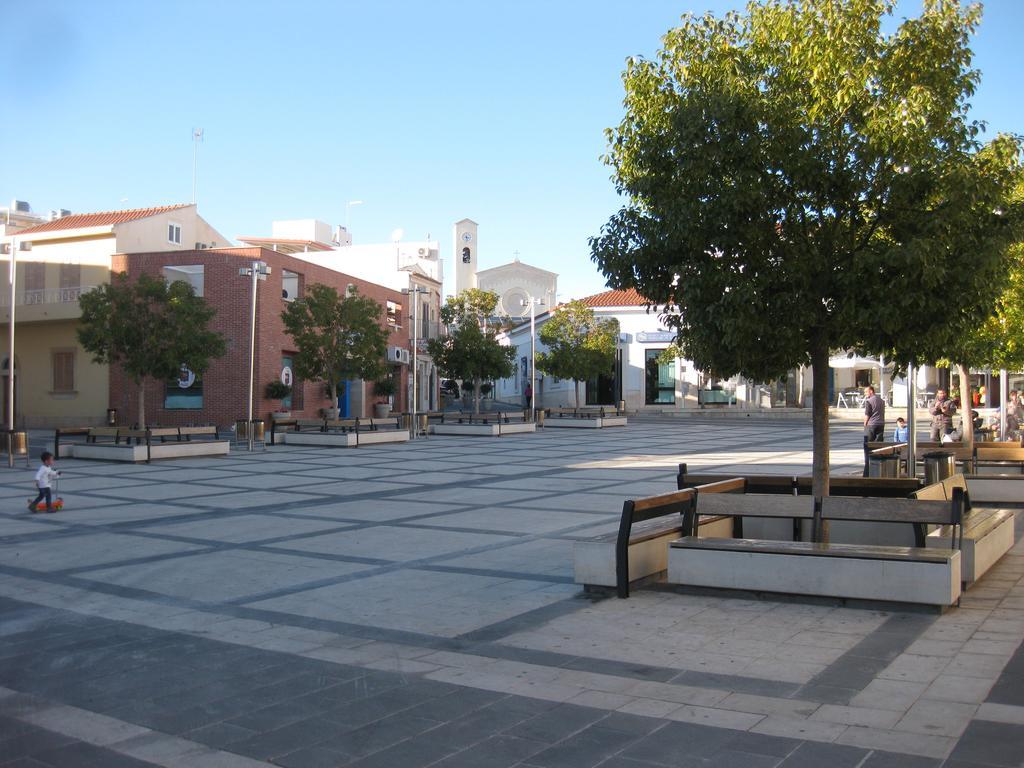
{"x":384,"y":389}
{"x":278,"y":390}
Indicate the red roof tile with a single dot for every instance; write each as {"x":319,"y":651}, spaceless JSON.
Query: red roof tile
{"x":105,"y":218}
{"x":627,"y":298}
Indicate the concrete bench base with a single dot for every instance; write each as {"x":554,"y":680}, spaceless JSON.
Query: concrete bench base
{"x":981,"y":547}
{"x":344,"y":439}
{"x":483,"y":430}
{"x":594,"y":558}
{"x":324,"y":439}
{"x":596,"y":423}
{"x":137,"y":453}
{"x":927,"y":581}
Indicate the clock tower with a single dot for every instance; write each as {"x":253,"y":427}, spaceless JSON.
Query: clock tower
{"x":466,"y":255}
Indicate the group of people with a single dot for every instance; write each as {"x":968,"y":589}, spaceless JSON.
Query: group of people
{"x":942,"y":409}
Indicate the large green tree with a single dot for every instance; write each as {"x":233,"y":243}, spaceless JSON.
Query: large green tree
{"x":579,"y":346}
{"x":793,"y":177}
{"x":470,"y":351}
{"x":150,"y":328}
{"x":336,"y":337}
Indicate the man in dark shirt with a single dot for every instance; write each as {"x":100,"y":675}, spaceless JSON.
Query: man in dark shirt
{"x":874,"y":415}
{"x":874,"y":422}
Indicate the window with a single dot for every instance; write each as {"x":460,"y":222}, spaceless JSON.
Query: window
{"x":63,"y":371}
{"x":184,"y":392}
{"x":35,"y":276}
{"x":660,"y":379}
{"x":394,"y":314}
{"x":174,"y":233}
{"x":289,"y":285}
{"x":186,"y":273}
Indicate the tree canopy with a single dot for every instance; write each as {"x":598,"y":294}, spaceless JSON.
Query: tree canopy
{"x":579,"y":346}
{"x":336,"y":337}
{"x":799,"y":181}
{"x":150,"y":328}
{"x":470,"y":351}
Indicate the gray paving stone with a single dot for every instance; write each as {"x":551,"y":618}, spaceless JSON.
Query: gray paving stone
{"x":997,"y":744}
{"x":813,"y":754}
{"x":589,"y":747}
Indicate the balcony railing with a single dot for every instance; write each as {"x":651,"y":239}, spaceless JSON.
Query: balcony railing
{"x":69,"y":295}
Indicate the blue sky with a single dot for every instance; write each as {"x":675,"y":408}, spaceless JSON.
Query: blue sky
{"x":427,"y":111}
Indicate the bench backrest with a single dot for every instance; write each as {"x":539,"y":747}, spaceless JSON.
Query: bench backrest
{"x":163,"y":432}
{"x":103,"y":432}
{"x":933,"y":492}
{"x":208,"y":430}
{"x":755,"y":505}
{"x":915,"y":511}
{"x":638,"y":510}
{"x":998,"y":452}
{"x":962,"y":451}
{"x":894,"y":487}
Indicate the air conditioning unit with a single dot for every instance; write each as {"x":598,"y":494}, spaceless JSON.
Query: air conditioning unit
{"x":423,"y":251}
{"x":398,"y":355}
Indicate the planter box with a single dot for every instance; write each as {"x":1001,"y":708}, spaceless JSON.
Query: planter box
{"x":596,"y":423}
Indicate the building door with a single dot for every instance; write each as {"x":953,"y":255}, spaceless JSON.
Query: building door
{"x":344,"y":399}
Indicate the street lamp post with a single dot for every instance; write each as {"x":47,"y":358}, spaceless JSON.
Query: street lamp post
{"x":415,"y":291}
{"x":10,"y":359}
{"x":534,"y":303}
{"x":258,"y":271}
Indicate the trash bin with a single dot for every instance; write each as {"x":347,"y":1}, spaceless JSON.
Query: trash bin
{"x":938,"y":465}
{"x":424,"y":423}
{"x":539,"y":416}
{"x":884,"y":466}
{"x":18,"y":443}
{"x":259,"y":431}
{"x":242,"y":430}
{"x":111,"y":417}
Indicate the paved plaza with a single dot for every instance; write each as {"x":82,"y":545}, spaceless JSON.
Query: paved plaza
{"x":413,"y":605}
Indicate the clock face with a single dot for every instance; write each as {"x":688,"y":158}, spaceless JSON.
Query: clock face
{"x":467,"y":237}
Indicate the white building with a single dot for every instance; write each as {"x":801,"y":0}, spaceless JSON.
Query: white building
{"x":514,"y":282}
{"x":412,"y":266}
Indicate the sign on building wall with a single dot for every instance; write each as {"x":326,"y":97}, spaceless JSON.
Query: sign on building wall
{"x":655,"y":336}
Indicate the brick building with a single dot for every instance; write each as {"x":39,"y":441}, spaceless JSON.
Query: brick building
{"x":220,"y":396}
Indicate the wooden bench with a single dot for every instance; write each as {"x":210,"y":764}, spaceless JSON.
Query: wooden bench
{"x":103,"y":434}
{"x":1002,"y":491}
{"x":63,"y":432}
{"x":922,"y":575}
{"x":998,"y":455}
{"x":163,"y":433}
{"x":281,"y":425}
{"x":839,"y":485}
{"x":310,"y":425}
{"x":374,"y":424}
{"x":209,"y":432}
{"x":639,"y":548}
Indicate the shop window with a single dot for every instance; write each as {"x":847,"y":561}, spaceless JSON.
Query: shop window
{"x":186,"y":273}
{"x":63,"y":364}
{"x":660,"y":379}
{"x":184,"y":392}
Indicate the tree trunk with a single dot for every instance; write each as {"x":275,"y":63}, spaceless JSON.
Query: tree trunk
{"x":476,"y":397}
{"x":142,"y":404}
{"x":819,"y":401}
{"x":332,"y":392}
{"x":576,"y":390}
{"x":966,"y":405}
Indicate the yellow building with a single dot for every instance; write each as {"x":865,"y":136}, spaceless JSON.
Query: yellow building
{"x":56,"y":383}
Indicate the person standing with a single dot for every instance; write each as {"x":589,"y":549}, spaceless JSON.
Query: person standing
{"x":874,"y":423}
{"x":874,"y":416}
{"x":528,"y":396}
{"x":941,"y":409}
